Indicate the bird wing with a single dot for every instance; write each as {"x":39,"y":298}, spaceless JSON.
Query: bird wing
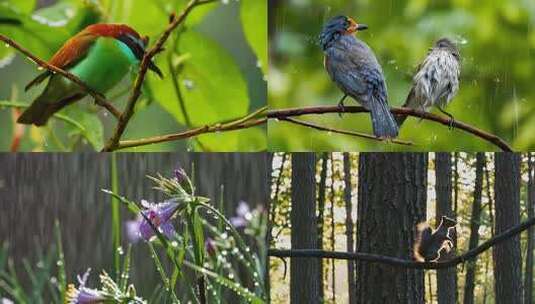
{"x":72,"y":51}
{"x":344,"y":72}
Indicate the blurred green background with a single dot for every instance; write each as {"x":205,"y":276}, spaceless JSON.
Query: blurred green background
{"x":497,"y":92}
{"x":222,"y":78}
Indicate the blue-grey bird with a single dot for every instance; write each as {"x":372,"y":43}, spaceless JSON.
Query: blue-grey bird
{"x":437,"y":80}
{"x":353,"y":67}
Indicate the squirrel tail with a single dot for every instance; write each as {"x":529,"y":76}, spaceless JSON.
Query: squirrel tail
{"x":423,"y":233}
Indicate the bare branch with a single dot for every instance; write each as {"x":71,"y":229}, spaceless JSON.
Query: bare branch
{"x":189,"y":133}
{"x":99,"y":98}
{"x":143,"y":67}
{"x":317,"y":110}
{"x":333,"y":130}
{"x":393,"y":261}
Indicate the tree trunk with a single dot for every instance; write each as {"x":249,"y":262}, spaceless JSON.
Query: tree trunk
{"x":269,"y":175}
{"x":474,"y":230}
{"x":446,"y":278}
{"x":528,"y":280}
{"x":349,"y":227}
{"x":304,"y":284}
{"x":506,"y":256}
{"x":392,"y":201}
{"x":333,"y":231}
{"x":321,"y":210}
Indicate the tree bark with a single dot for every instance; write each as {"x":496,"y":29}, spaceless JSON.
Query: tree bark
{"x":528,"y":280}
{"x":446,"y":278}
{"x":392,"y":201}
{"x":506,"y":256}
{"x":349,"y":227}
{"x":321,"y":210}
{"x":304,"y":284}
{"x":474,"y":229}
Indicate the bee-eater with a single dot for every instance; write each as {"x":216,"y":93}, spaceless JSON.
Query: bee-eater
{"x":100,"y":55}
{"x":437,"y":79}
{"x":354,"y":68}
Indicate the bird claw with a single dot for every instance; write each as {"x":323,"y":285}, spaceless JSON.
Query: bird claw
{"x":451,"y":125}
{"x":342,"y":109}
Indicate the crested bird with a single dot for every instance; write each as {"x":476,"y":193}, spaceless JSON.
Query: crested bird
{"x":437,"y":80}
{"x":100,"y":55}
{"x":352,"y":65}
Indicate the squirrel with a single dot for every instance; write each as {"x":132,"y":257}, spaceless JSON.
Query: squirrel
{"x":429,"y":244}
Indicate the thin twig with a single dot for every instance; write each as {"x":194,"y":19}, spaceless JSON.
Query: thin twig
{"x":393,"y":261}
{"x":216,"y":128}
{"x":333,"y":130}
{"x":491,"y":138}
{"x":113,"y":142}
{"x":99,"y":98}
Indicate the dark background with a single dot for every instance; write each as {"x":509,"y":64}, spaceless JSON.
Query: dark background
{"x":36,"y":189}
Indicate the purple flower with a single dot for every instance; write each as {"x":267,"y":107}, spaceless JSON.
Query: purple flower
{"x":243,"y":215}
{"x":180,"y":175}
{"x":159,"y":215}
{"x":82,"y":294}
{"x":210,"y":246}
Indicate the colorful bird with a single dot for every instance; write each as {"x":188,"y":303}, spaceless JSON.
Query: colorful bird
{"x":354,"y":68}
{"x":100,"y":55}
{"x":437,"y":79}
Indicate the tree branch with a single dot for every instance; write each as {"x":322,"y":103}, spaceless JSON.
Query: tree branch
{"x":99,"y":98}
{"x":215,"y":128}
{"x":393,"y":261}
{"x":175,"y":21}
{"x":333,"y":130}
{"x":283,"y":114}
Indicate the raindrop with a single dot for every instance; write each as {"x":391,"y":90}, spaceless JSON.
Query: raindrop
{"x":40,"y":68}
{"x":120,"y":250}
{"x":6,"y":45}
{"x":59,"y":263}
{"x":189,"y":84}
{"x":174,"y":244}
{"x":224,"y":235}
{"x":231,"y":276}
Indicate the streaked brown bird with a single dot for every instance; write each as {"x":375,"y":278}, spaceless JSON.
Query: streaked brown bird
{"x":437,"y":80}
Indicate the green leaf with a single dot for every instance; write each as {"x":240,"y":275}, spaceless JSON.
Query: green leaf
{"x":198,"y":236}
{"x":44,"y":32}
{"x":92,"y":130}
{"x":254,"y":21}
{"x":211,"y":84}
{"x":196,"y":15}
{"x":24,"y":6}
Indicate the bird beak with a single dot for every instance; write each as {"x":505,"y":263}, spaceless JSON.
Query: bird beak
{"x":362,"y":27}
{"x":155,"y":69}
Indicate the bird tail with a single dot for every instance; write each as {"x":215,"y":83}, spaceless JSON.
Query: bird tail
{"x":423,"y":234}
{"x":384,"y":125}
{"x":41,"y":110}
